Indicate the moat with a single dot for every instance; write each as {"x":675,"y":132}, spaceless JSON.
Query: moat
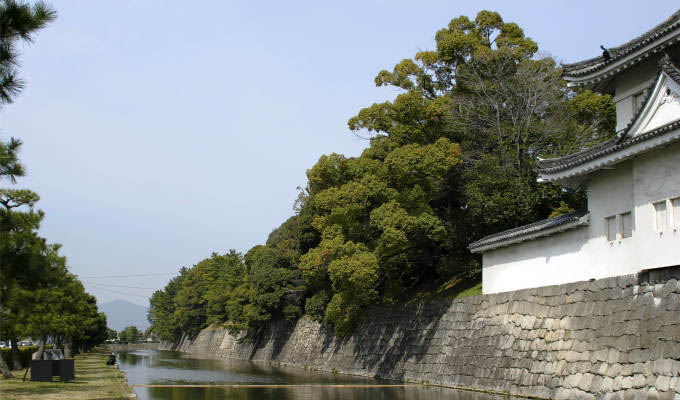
{"x":158,"y":375}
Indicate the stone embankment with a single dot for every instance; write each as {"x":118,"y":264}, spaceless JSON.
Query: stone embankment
{"x":615,"y":338}
{"x":116,"y":347}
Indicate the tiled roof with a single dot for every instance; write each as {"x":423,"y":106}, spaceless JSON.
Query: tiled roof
{"x":670,"y":68}
{"x":531,"y":231}
{"x":594,"y":64}
{"x":623,"y":141}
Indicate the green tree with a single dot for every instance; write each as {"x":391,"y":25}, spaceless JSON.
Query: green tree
{"x":206,"y":290}
{"x":130,"y":334}
{"x":450,"y":159}
{"x":162,"y":306}
{"x":272,"y":287}
{"x":111,"y":334}
{"x":21,"y":258}
{"x":19,"y":22}
{"x":10,"y":167}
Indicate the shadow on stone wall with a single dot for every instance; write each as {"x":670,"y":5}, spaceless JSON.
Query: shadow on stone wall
{"x":610,"y":338}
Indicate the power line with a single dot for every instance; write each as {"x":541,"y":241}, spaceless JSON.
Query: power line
{"x":124,"y":276}
{"x":117,"y":292}
{"x":123,"y":286}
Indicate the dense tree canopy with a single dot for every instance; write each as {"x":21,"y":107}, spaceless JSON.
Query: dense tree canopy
{"x":450,"y":159}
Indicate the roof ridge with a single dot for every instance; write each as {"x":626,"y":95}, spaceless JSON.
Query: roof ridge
{"x":592,"y":64}
{"x":628,"y":46}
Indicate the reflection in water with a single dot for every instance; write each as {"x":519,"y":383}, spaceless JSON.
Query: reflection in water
{"x":171,"y":368}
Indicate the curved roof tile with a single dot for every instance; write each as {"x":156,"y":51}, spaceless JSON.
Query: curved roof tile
{"x":596,"y":63}
{"x":552,"y":165}
{"x":526,"y":232}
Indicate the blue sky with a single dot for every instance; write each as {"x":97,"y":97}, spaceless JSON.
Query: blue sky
{"x":157,"y":132}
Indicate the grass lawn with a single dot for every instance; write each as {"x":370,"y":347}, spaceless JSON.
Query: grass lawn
{"x":94,"y":380}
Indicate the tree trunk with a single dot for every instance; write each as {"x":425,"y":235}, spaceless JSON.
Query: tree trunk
{"x":41,"y":348}
{"x":16,"y":357}
{"x":4,"y":369}
{"x":68,"y":345}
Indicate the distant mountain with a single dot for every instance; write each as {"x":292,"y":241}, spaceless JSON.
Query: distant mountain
{"x":121,"y":314}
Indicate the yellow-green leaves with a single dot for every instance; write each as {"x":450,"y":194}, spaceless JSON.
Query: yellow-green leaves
{"x":353,"y":272}
{"x":329,"y":171}
{"x":488,"y":33}
{"x":314,"y":264}
{"x":349,"y":205}
{"x":405,"y":75}
{"x":413,"y":163}
{"x":376,"y":220}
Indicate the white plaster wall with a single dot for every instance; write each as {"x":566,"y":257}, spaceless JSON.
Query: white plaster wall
{"x":629,"y":83}
{"x":540,"y":262}
{"x":624,"y":112}
{"x":656,"y":177}
{"x":584,"y":253}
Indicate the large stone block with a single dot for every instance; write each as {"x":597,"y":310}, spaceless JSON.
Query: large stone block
{"x":662,"y":383}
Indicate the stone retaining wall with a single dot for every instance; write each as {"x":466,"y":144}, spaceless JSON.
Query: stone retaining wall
{"x":115,"y":347}
{"x":609,"y":338}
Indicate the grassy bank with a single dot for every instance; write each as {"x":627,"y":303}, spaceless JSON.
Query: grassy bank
{"x":454,"y":288}
{"x":94,"y":380}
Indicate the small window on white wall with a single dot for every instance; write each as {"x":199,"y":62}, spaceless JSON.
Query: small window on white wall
{"x":626,"y":225}
{"x":638,"y":99}
{"x":675,"y":203}
{"x":661,"y":215}
{"x":610,"y":227}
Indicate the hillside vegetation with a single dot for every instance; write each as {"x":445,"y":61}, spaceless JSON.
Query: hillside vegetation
{"x":451,"y":159}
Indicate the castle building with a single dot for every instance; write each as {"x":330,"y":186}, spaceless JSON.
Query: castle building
{"x":633,"y":181}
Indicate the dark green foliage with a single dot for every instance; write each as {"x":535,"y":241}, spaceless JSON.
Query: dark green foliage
{"x":111,"y":334}
{"x":206,"y":290}
{"x":242,"y":293}
{"x":10,"y":167}
{"x":131,"y":334}
{"x":287,"y":231}
{"x":40,"y":297}
{"x":25,"y":354}
{"x":162,"y":309}
{"x":315,"y":306}
{"x":272,"y":288}
{"x":22,"y":257}
{"x":308,"y":237}
{"x":18,"y":22}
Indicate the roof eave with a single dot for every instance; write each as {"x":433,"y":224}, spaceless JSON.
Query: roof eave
{"x":671,"y":135}
{"x":581,"y":221}
{"x":583,"y":79}
{"x":592,"y":70}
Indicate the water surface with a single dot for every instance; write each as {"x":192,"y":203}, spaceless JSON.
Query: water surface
{"x":152,"y":367}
